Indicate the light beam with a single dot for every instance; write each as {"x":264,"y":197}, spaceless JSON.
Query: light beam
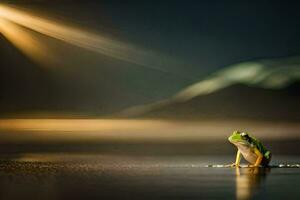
{"x":72,"y":35}
{"x":25,"y":42}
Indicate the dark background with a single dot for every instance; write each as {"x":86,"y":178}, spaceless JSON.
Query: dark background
{"x":204,"y":36}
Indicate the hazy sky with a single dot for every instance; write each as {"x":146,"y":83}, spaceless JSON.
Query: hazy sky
{"x":197,"y":37}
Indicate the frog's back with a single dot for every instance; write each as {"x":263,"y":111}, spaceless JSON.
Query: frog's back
{"x":266,"y":153}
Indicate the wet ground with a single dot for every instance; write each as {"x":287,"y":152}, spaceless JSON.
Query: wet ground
{"x":109,"y":176}
{"x":142,"y":159}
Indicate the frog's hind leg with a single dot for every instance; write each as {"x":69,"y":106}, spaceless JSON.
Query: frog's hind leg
{"x":265,"y":162}
{"x":259,"y":159}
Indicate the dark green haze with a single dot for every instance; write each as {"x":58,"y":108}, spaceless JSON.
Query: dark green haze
{"x":200,"y":36}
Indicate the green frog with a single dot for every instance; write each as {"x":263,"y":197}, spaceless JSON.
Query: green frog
{"x":251,"y":149}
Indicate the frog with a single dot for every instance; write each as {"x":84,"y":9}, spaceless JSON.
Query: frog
{"x":251,"y":149}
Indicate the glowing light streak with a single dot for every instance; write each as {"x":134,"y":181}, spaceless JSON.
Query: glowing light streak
{"x":72,"y":35}
{"x":25,"y":41}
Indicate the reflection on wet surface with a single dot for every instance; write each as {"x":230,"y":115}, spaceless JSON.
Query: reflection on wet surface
{"x":249,"y":181}
{"x":100,"y":176}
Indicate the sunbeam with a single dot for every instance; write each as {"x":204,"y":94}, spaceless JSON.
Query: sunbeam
{"x":75,"y":36}
{"x":26,"y":42}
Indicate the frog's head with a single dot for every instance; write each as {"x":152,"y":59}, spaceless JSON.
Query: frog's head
{"x":240,"y":138}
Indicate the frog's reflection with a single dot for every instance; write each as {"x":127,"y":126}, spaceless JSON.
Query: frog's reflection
{"x":248,"y":181}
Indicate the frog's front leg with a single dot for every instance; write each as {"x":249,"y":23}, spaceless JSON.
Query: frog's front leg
{"x":259,"y":158}
{"x":237,"y":159}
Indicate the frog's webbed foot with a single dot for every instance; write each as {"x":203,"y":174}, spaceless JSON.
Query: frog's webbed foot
{"x":252,"y":166}
{"x":234,"y":165}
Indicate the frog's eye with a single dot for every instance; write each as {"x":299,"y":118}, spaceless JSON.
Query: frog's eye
{"x":244,"y":134}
